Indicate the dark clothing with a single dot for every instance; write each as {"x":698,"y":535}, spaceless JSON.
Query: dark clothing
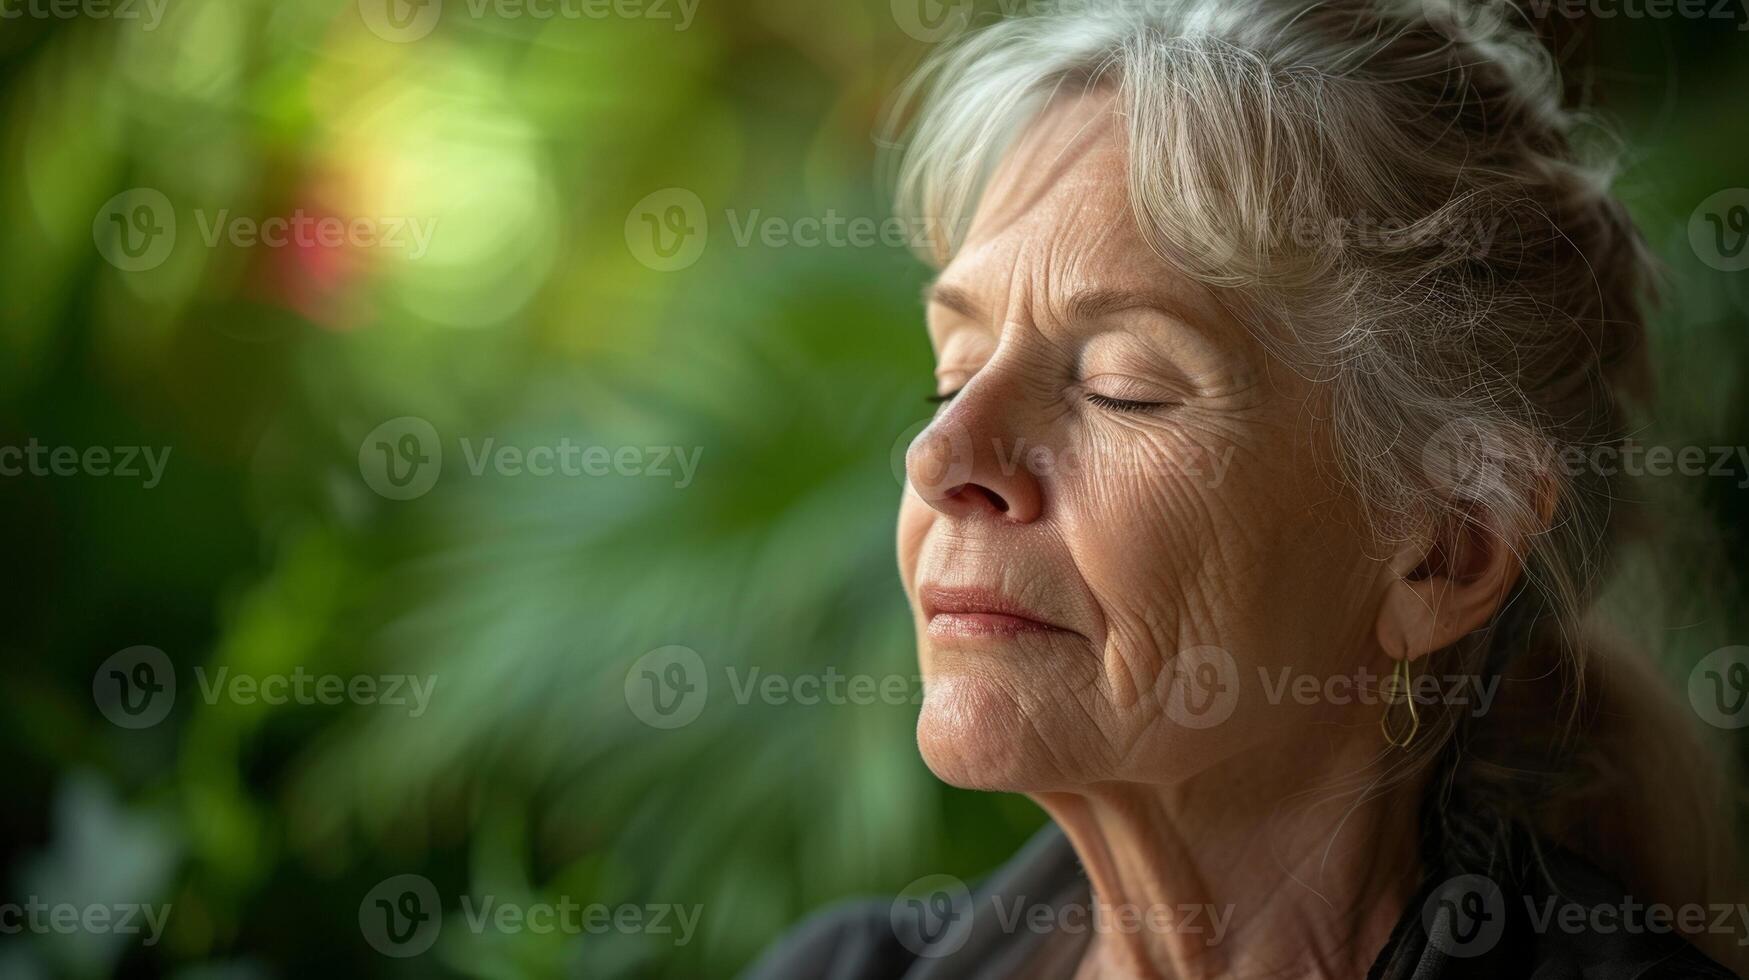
{"x":1030,"y":919}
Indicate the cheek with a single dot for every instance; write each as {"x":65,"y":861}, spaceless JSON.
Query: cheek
{"x":1210,"y":588}
{"x":915,"y":520}
{"x":1163,"y":535}
{"x":1201,"y":541}
{"x":1197,"y":530}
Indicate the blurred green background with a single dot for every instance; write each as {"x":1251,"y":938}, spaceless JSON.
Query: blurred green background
{"x":548,"y":304}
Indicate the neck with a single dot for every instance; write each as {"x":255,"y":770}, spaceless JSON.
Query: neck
{"x":1292,"y":868}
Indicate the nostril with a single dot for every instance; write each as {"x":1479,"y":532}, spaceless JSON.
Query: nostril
{"x":1011,"y":500}
{"x":992,"y":496}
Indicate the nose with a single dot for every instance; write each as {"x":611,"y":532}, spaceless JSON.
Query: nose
{"x":966,"y":464}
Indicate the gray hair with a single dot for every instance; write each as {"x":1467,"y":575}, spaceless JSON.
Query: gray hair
{"x":1392,"y":197}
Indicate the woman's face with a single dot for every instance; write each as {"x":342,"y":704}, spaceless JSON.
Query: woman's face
{"x":1120,"y":531}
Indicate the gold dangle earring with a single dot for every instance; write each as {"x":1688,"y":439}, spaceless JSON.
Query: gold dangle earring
{"x":1400,"y":690}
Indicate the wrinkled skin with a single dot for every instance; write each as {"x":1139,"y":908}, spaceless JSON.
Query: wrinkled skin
{"x":1130,"y":542}
{"x":1207,"y":518}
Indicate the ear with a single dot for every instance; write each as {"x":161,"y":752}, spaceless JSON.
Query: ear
{"x":1445,"y":584}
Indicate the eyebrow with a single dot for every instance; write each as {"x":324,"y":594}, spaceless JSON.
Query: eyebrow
{"x":953,"y":298}
{"x":1095,"y":303}
{"x":1089,"y":304}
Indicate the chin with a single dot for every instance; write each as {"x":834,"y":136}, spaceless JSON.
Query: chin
{"x":974,"y":734}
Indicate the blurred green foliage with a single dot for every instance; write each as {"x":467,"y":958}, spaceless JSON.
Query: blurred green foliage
{"x":796,"y":372}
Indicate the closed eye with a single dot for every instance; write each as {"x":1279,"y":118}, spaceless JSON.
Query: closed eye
{"x":1123,"y":404}
{"x":1103,"y":401}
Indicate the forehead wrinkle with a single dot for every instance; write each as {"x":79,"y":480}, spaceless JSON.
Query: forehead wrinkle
{"x":1065,"y":240}
{"x":1032,"y":212}
{"x":1023,"y":180}
{"x":1077,"y":259}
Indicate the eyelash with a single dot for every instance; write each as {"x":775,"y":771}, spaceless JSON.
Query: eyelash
{"x":1103,"y":401}
{"x":1122,"y":404}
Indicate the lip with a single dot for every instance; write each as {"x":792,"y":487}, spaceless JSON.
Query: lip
{"x":972,"y":611}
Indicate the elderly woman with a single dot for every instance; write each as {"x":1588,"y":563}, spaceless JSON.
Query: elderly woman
{"x":1241,"y":541}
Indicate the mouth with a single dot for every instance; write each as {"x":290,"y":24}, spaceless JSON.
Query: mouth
{"x":970,"y":612}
